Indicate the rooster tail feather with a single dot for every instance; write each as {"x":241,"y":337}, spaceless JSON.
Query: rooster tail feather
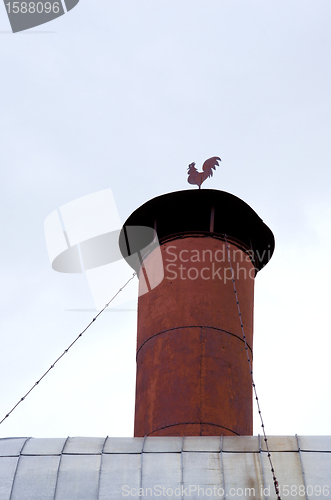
{"x":211,"y":163}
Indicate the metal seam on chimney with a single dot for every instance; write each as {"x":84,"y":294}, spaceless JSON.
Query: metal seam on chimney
{"x":192,"y":326}
{"x":198,"y":423}
{"x":201,"y":381}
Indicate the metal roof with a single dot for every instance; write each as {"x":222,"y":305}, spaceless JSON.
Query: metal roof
{"x":82,"y":468}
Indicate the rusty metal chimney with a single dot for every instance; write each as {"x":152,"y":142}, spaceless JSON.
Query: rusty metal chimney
{"x":193,"y":377}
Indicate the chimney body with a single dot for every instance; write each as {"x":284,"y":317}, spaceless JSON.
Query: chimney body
{"x":193,"y":377}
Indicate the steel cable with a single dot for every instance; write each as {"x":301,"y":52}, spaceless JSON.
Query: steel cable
{"x":276,"y":485}
{"x":65,"y":352}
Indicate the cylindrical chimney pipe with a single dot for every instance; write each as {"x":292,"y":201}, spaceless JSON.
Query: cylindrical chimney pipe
{"x":193,"y":377}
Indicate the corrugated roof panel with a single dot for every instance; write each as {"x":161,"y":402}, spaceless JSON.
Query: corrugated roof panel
{"x":123,"y":445}
{"x":202,"y":443}
{"x":315,"y":443}
{"x":11,"y":447}
{"x":288,"y":472}
{"x":119,"y":473}
{"x":243,"y":475}
{"x":161,"y":469}
{"x":78,"y":477}
{"x":280,"y":443}
{"x":202,"y":471}
{"x":317,"y":474}
{"x":41,"y":463}
{"x":7,"y":472}
{"x":162,"y":444}
{"x":240,"y":443}
{"x":35,"y":478}
{"x":84,"y":445}
{"x":43,"y":446}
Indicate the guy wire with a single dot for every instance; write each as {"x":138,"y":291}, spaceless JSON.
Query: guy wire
{"x":276,"y":485}
{"x":65,"y":352}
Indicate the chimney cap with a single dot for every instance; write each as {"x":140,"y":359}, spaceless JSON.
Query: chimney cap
{"x":189,"y":211}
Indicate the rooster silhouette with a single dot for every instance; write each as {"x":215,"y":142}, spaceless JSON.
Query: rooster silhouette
{"x":195,"y":177}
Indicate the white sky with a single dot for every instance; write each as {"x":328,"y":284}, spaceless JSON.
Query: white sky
{"x":125,"y":95}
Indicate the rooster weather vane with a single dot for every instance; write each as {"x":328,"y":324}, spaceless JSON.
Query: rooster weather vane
{"x":196,"y":177}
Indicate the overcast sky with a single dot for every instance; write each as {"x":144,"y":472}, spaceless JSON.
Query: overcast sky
{"x":124,"y":95}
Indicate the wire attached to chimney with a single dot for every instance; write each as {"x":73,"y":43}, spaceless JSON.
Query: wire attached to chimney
{"x":276,"y":485}
{"x":69,"y":347}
